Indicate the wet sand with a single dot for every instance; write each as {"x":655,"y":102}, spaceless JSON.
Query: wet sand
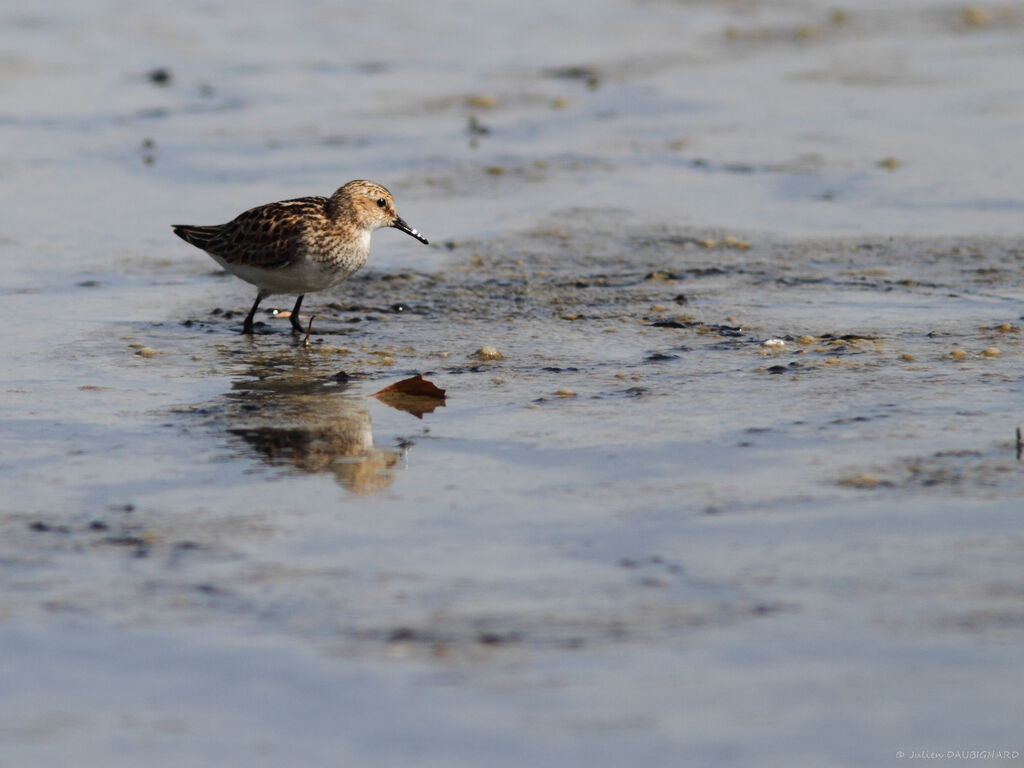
{"x":743,"y":487}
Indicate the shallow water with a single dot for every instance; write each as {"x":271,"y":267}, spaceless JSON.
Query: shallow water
{"x":642,"y":536}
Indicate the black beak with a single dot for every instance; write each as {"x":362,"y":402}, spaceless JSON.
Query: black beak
{"x":399,"y":223}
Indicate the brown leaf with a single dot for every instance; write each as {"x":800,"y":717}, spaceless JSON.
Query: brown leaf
{"x":414,"y":385}
{"x":414,"y":395}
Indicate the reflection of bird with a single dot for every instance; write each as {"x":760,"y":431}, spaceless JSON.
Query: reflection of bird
{"x":301,"y":245}
{"x":343,"y":447}
{"x":310,"y":424}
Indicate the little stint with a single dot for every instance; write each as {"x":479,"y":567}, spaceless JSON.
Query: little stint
{"x":302,"y":245}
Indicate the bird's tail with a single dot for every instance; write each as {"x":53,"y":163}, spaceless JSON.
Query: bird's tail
{"x":200,"y":237}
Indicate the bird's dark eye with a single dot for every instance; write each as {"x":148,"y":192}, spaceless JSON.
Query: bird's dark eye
{"x":381,"y":203}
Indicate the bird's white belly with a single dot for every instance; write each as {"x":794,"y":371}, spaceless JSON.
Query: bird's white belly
{"x":301,"y":277}
{"x":304,"y":275}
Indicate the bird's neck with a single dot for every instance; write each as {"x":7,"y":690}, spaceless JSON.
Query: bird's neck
{"x":338,"y":208}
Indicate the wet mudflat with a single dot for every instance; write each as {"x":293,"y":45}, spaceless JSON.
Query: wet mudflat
{"x":727,"y":469}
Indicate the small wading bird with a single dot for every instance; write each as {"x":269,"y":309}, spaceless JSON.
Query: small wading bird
{"x":302,"y":245}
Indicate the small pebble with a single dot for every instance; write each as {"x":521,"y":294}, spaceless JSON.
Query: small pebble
{"x":976,"y":16}
{"x":735,"y":242}
{"x":565,"y":392}
{"x":145,"y":352}
{"x":481,"y":101}
{"x":992,"y":352}
{"x":773,"y":343}
{"x":488,"y":353}
{"x":957,"y":354}
{"x":860,"y":481}
{"x":160,"y":76}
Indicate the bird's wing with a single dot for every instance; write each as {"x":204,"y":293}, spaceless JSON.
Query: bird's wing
{"x":267,"y":236}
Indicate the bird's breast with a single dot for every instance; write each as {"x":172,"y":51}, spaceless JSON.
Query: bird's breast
{"x":339,"y":256}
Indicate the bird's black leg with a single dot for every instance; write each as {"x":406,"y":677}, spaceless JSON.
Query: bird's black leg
{"x":247,"y":325}
{"x":296,"y":325}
